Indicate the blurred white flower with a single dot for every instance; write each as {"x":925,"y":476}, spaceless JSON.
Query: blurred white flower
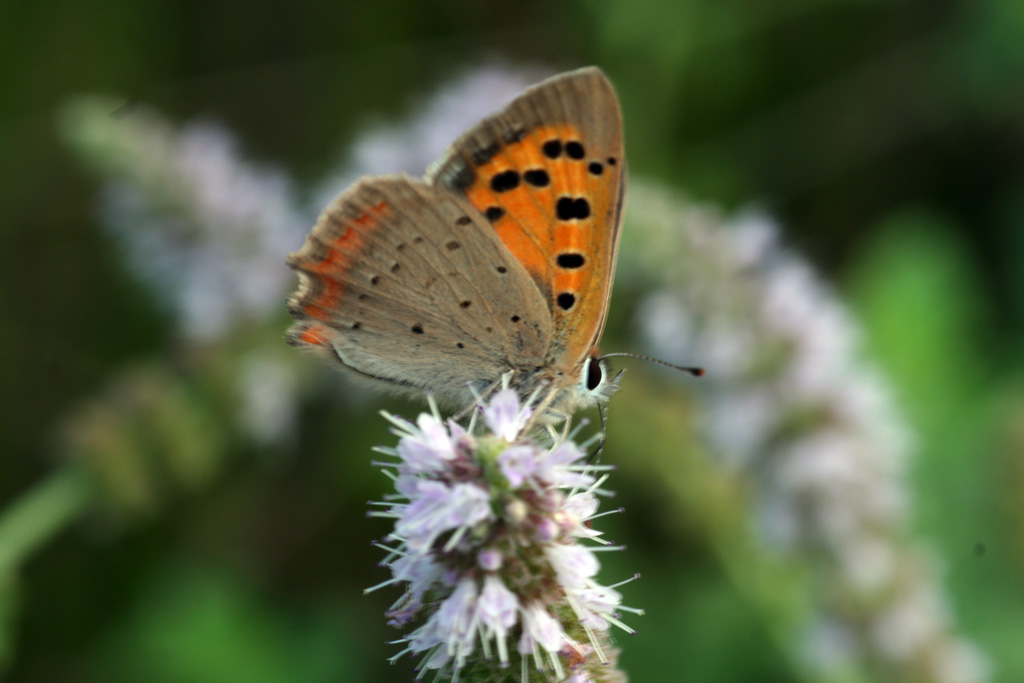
{"x":269,"y":398}
{"x":208,"y":229}
{"x":793,"y":406}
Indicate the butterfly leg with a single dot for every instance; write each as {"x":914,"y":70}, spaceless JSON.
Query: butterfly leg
{"x":479,"y":398}
{"x":540,"y":410}
{"x":595,"y":457}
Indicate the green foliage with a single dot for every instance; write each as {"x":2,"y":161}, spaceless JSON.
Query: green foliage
{"x":197,"y":624}
{"x":921,"y":303}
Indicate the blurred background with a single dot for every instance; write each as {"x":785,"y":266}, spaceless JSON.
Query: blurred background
{"x":826,"y":212}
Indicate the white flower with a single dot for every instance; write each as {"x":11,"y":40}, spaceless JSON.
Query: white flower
{"x":498,"y":607}
{"x":205,"y":226}
{"x":574,"y":564}
{"x":597,"y":602}
{"x":269,"y":398}
{"x":540,"y":628}
{"x":490,"y":527}
{"x":794,"y":408}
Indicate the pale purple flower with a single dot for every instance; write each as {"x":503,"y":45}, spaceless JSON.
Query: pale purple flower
{"x":546,"y":530}
{"x":490,"y":526}
{"x":438,"y":507}
{"x":540,"y":628}
{"x":517,"y":463}
{"x":498,"y":607}
{"x":427,"y":447}
{"x":455,"y":620}
{"x":489,"y":559}
{"x":504,"y":415}
{"x":420,"y":572}
{"x":558,"y":466}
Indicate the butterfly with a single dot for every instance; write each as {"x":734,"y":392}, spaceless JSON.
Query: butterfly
{"x":499,"y":260}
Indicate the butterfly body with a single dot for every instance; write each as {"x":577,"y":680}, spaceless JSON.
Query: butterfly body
{"x":499,"y":260}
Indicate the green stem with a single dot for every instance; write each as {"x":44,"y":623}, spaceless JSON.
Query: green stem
{"x":41,"y":513}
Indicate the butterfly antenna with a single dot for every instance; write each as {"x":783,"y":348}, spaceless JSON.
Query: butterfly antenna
{"x":696,"y":372}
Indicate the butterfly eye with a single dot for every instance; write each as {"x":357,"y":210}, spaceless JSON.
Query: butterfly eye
{"x":595,"y":374}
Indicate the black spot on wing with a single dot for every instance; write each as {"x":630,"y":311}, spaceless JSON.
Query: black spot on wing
{"x":568,"y":208}
{"x":505,"y":181}
{"x":537,"y":177}
{"x":569,"y":260}
{"x":552,"y":149}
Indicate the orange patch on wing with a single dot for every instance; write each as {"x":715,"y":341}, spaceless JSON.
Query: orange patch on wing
{"x":573,"y":237}
{"x":328,"y":275}
{"x":568,"y":179}
{"x":314,"y":335}
{"x":369,"y":219}
{"x":349,"y":236}
{"x":569,"y":282}
{"x":529,"y":227}
{"x":522,"y":225}
{"x":522,"y":247}
{"x":568,"y":176}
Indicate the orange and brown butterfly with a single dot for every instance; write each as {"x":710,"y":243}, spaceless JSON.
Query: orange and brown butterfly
{"x":499,"y":260}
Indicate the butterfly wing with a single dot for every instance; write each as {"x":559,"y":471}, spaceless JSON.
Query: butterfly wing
{"x":406,"y":283}
{"x":548,"y":174}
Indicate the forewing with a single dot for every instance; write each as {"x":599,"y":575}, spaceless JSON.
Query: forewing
{"x":548,"y":174}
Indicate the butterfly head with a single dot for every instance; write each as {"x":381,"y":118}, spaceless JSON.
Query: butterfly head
{"x":596,"y":383}
{"x":588,"y":385}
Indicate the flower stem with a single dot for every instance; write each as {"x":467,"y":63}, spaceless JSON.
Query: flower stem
{"x":41,"y":513}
